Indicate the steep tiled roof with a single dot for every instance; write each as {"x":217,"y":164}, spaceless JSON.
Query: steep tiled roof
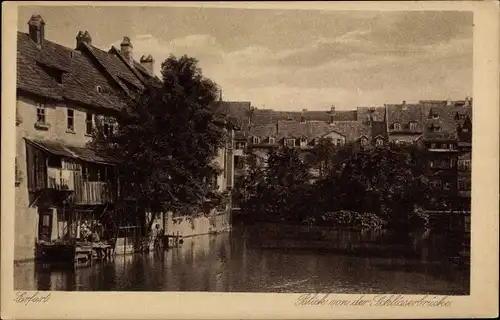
{"x":80,"y":78}
{"x":297,"y":129}
{"x":377,"y":113}
{"x":352,"y":130}
{"x":116,"y":66}
{"x":404,"y":114}
{"x":379,"y":128}
{"x":263,"y":131}
{"x":265,"y":116}
{"x":445,"y":122}
{"x":345,"y":115}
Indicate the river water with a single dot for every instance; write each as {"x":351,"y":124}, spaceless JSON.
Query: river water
{"x":229,"y":263}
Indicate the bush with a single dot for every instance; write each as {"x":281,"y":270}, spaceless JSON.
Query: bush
{"x":353,"y":219}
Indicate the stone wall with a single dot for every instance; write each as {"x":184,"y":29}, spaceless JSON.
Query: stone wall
{"x":187,"y":226}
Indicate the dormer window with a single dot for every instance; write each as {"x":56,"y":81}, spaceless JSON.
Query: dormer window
{"x":255,"y":140}
{"x":54,"y":73}
{"x":397,"y":126}
{"x":99,"y":89}
{"x":413,"y":126}
{"x":272,"y":140}
{"x":380,"y":142}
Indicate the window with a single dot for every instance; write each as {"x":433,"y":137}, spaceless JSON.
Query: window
{"x":397,"y":126}
{"x":54,"y":162}
{"x":98,"y":88}
{"x":380,"y":142}
{"x":436,"y":184}
{"x":445,"y":146}
{"x":433,"y":146}
{"x":339,"y":142}
{"x":40,"y":113}
{"x":71,"y":120}
{"x":240,"y":145}
{"x":464,"y":165}
{"x":290,"y":142}
{"x":465,"y":130}
{"x":238,"y":163}
{"x":413,"y":126}
{"x":109,"y":126}
{"x":464,"y":184}
{"x":46,"y":220}
{"x":447,"y":186}
{"x":303,"y":142}
{"x":272,"y":140}
{"x":431,"y":164}
{"x":89,"y":123}
{"x":435,"y":115}
{"x":255,"y":140}
{"x":54,"y":73}
{"x":364,"y":141}
{"x":225,"y":163}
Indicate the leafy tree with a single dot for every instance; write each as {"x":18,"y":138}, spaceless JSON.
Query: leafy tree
{"x":166,"y":139}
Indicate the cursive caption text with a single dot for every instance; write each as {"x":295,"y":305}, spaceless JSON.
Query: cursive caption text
{"x":26,"y":298}
{"x":384,"y":300}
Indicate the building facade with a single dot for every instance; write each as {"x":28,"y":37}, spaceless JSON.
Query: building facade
{"x":63,"y":186}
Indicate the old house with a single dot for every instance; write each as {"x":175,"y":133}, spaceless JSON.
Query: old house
{"x":62,"y":92}
{"x":404,"y":122}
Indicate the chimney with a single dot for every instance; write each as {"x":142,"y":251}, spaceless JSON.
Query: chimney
{"x":448,"y":103}
{"x":467,"y":102}
{"x":147,"y":63}
{"x":37,"y":28}
{"x":303,"y":116}
{"x":83,"y":37}
{"x":126,"y":50}
{"x":332,"y":113}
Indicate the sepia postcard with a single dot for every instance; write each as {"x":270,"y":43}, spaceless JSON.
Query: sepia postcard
{"x":227,"y":160}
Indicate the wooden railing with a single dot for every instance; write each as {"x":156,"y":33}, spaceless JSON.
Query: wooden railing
{"x":60,"y":179}
{"x":93,"y":193}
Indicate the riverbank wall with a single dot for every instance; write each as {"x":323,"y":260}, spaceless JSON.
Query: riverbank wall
{"x":190,"y":226}
{"x":173,"y":228}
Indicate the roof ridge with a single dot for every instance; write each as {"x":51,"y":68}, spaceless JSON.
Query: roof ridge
{"x":124,"y":88}
{"x":132,"y":68}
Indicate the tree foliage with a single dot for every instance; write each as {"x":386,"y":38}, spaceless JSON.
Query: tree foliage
{"x":166,"y":139}
{"x":386,"y":182}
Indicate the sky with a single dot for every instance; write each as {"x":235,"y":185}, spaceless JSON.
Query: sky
{"x":290,"y":59}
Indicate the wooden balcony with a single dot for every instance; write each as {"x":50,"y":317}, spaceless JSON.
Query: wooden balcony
{"x":60,"y":179}
{"x":93,"y":193}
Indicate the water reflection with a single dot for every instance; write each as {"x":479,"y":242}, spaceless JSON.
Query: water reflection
{"x":228,"y":262}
